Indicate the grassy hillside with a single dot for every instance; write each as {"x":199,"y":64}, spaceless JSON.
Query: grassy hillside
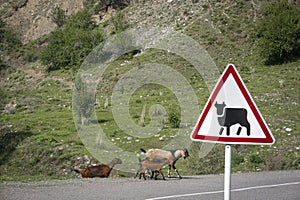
{"x":38,"y":136}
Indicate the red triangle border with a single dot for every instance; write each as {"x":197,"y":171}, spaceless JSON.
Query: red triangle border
{"x":232,"y":140}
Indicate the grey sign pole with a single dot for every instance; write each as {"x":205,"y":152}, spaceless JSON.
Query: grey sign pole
{"x":227,"y":172}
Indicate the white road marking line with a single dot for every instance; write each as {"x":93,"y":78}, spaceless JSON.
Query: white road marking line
{"x":221,"y":191}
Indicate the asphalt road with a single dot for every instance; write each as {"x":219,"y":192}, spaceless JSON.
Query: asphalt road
{"x":277,"y":185}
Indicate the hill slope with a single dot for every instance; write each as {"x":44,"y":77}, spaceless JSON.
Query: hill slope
{"x":32,"y":18}
{"x":38,"y":136}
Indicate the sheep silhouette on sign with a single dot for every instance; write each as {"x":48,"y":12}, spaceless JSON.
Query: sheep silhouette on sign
{"x":230,"y":117}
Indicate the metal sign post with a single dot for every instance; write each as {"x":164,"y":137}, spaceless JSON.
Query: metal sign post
{"x":230,"y":107}
{"x":227,"y":172}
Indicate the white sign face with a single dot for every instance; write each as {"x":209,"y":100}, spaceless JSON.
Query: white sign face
{"x":230,"y":115}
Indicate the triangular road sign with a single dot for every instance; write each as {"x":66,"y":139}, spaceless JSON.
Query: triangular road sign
{"x":230,"y":115}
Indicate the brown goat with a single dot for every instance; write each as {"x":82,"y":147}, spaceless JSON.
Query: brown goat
{"x":100,"y":170}
{"x":171,"y":155}
{"x":154,"y":166}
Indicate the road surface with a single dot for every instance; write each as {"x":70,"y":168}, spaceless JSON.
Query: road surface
{"x":275,"y":185}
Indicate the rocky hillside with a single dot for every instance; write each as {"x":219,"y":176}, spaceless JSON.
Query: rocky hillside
{"x":31,"y":18}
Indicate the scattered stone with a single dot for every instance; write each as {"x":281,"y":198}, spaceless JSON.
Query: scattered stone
{"x":288,"y":129}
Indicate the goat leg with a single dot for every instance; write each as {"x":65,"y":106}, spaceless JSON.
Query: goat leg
{"x":156,"y":174}
{"x":152,"y":174}
{"x":136,"y":174}
{"x":162,"y":175}
{"x":178,"y":175}
{"x":169,"y":171}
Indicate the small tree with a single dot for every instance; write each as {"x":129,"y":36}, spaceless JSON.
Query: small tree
{"x":279,"y":32}
{"x":83,"y":102}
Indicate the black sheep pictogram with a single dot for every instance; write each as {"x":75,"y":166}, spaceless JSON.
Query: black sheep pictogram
{"x":230,"y":117}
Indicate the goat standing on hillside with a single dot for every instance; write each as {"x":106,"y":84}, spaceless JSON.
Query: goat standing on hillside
{"x":101,"y":170}
{"x":171,"y":155}
{"x":154,"y":166}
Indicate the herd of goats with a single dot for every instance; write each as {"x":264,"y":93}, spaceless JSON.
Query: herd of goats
{"x":152,"y":165}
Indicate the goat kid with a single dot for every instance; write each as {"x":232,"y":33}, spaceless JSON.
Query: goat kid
{"x":171,"y":155}
{"x":100,"y":170}
{"x":155,"y":166}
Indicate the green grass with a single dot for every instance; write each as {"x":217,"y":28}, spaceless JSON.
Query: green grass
{"x":39,"y":139}
{"x":41,"y":130}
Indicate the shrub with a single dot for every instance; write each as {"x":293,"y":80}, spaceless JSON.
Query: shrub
{"x":279,"y":32}
{"x":256,"y":159}
{"x":174,"y":120}
{"x":119,"y":22}
{"x":8,"y":39}
{"x":4,"y":98}
{"x":58,"y":16}
{"x":82,"y":20}
{"x":69,"y":45}
{"x":95,"y":5}
{"x":18,"y":4}
{"x":3,"y":66}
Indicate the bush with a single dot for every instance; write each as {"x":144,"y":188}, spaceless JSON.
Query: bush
{"x":255,"y":159}
{"x":8,"y":39}
{"x":82,"y":20}
{"x":69,"y":45}
{"x":119,"y":22}
{"x":279,"y":32}
{"x":3,"y":66}
{"x":174,"y":120}
{"x":95,"y":5}
{"x":58,"y":16}
{"x":16,"y":4}
{"x":4,"y":98}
